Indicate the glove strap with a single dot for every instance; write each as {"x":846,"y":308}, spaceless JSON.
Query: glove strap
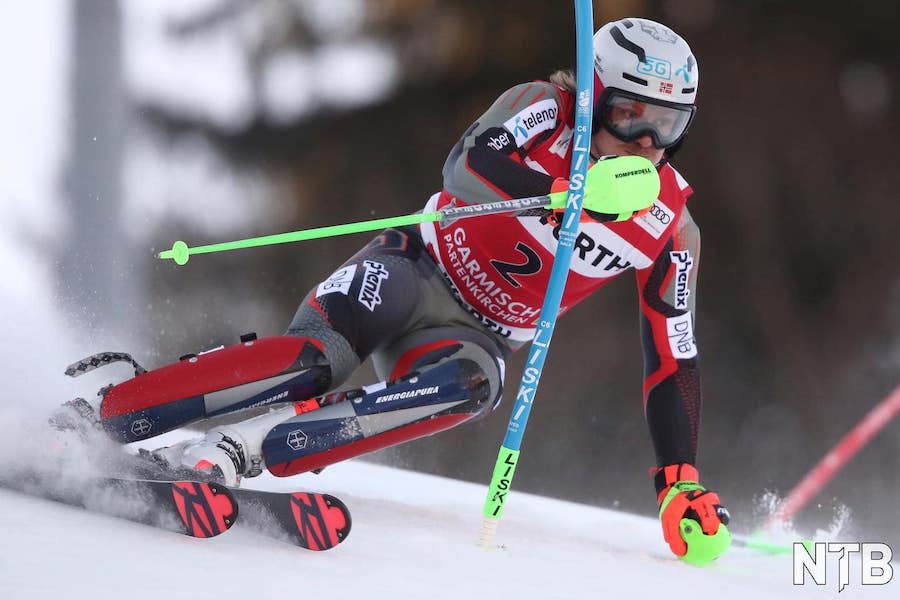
{"x":673,"y":493}
{"x":665,"y":477}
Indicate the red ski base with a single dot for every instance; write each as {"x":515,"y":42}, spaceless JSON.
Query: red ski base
{"x":322,"y":521}
{"x":206,"y":509}
{"x":311,"y":520}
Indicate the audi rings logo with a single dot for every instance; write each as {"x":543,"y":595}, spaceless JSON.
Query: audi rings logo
{"x":661,"y":216}
{"x":656,"y":221}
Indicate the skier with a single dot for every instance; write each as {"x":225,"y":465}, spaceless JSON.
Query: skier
{"x":439,"y":308}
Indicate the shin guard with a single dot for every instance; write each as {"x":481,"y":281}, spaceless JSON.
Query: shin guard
{"x":256,"y":372}
{"x":377,"y":417}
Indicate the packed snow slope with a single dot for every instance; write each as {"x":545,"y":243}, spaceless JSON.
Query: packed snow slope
{"x":413,"y":536}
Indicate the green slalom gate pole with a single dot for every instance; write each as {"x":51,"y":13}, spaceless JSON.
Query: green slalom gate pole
{"x":508,"y":457}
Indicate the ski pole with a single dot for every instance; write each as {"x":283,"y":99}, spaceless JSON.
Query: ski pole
{"x":181,"y":252}
{"x":618,"y":183}
{"x":760,"y":545}
{"x":508,"y":457}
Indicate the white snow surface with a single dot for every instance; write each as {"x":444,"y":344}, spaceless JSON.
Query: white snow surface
{"x":413,"y":536}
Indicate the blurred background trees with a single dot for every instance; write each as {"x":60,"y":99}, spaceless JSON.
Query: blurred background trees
{"x":220,"y":119}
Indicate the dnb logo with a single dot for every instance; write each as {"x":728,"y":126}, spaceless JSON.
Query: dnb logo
{"x":296,"y":440}
{"x":873,"y":566}
{"x":141,"y":427}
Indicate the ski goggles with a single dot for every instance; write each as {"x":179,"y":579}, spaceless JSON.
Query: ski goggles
{"x":630,"y":116}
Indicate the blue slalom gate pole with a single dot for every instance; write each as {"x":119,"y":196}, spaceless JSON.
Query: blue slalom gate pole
{"x":508,"y":456}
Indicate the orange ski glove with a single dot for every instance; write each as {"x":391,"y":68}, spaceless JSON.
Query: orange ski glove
{"x":694,"y":522}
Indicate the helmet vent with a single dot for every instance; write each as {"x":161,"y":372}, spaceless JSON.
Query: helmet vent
{"x":627,"y":44}
{"x":634,"y":79}
{"x":688,"y":90}
{"x":628,"y":24}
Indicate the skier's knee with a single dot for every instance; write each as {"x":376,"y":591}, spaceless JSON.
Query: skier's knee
{"x":425,"y":350}
{"x":485,"y":376}
{"x":353,"y":422}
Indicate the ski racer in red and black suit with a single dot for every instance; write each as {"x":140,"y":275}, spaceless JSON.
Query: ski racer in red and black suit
{"x":439,"y":308}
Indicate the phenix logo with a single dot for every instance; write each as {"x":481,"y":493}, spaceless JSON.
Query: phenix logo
{"x":684,"y":264}
{"x":370,"y":292}
{"x":875,"y":559}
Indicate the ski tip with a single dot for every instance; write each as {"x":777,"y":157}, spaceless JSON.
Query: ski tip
{"x":206,"y":509}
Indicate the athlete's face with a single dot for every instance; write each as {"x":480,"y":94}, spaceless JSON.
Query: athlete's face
{"x":606,"y":144}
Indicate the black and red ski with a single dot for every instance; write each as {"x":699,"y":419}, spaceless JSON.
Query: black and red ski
{"x":206,"y":509}
{"x":197,"y":509}
{"x":310,"y":520}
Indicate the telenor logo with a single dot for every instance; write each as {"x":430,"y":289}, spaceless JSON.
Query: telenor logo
{"x":532,"y":120}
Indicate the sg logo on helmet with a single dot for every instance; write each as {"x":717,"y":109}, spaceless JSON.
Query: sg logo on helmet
{"x":655,"y":67}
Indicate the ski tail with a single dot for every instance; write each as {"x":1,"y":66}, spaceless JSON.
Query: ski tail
{"x":205,"y":509}
{"x":321,"y":520}
{"x":310,"y":520}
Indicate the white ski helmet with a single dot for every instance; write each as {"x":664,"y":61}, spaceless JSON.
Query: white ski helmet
{"x":643,"y":65}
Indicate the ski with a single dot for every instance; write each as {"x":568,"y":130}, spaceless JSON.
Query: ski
{"x":204,"y":507}
{"x":310,"y":520}
{"x":196,"y":509}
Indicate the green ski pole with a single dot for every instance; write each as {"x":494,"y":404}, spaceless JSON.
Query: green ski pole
{"x":619,"y":188}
